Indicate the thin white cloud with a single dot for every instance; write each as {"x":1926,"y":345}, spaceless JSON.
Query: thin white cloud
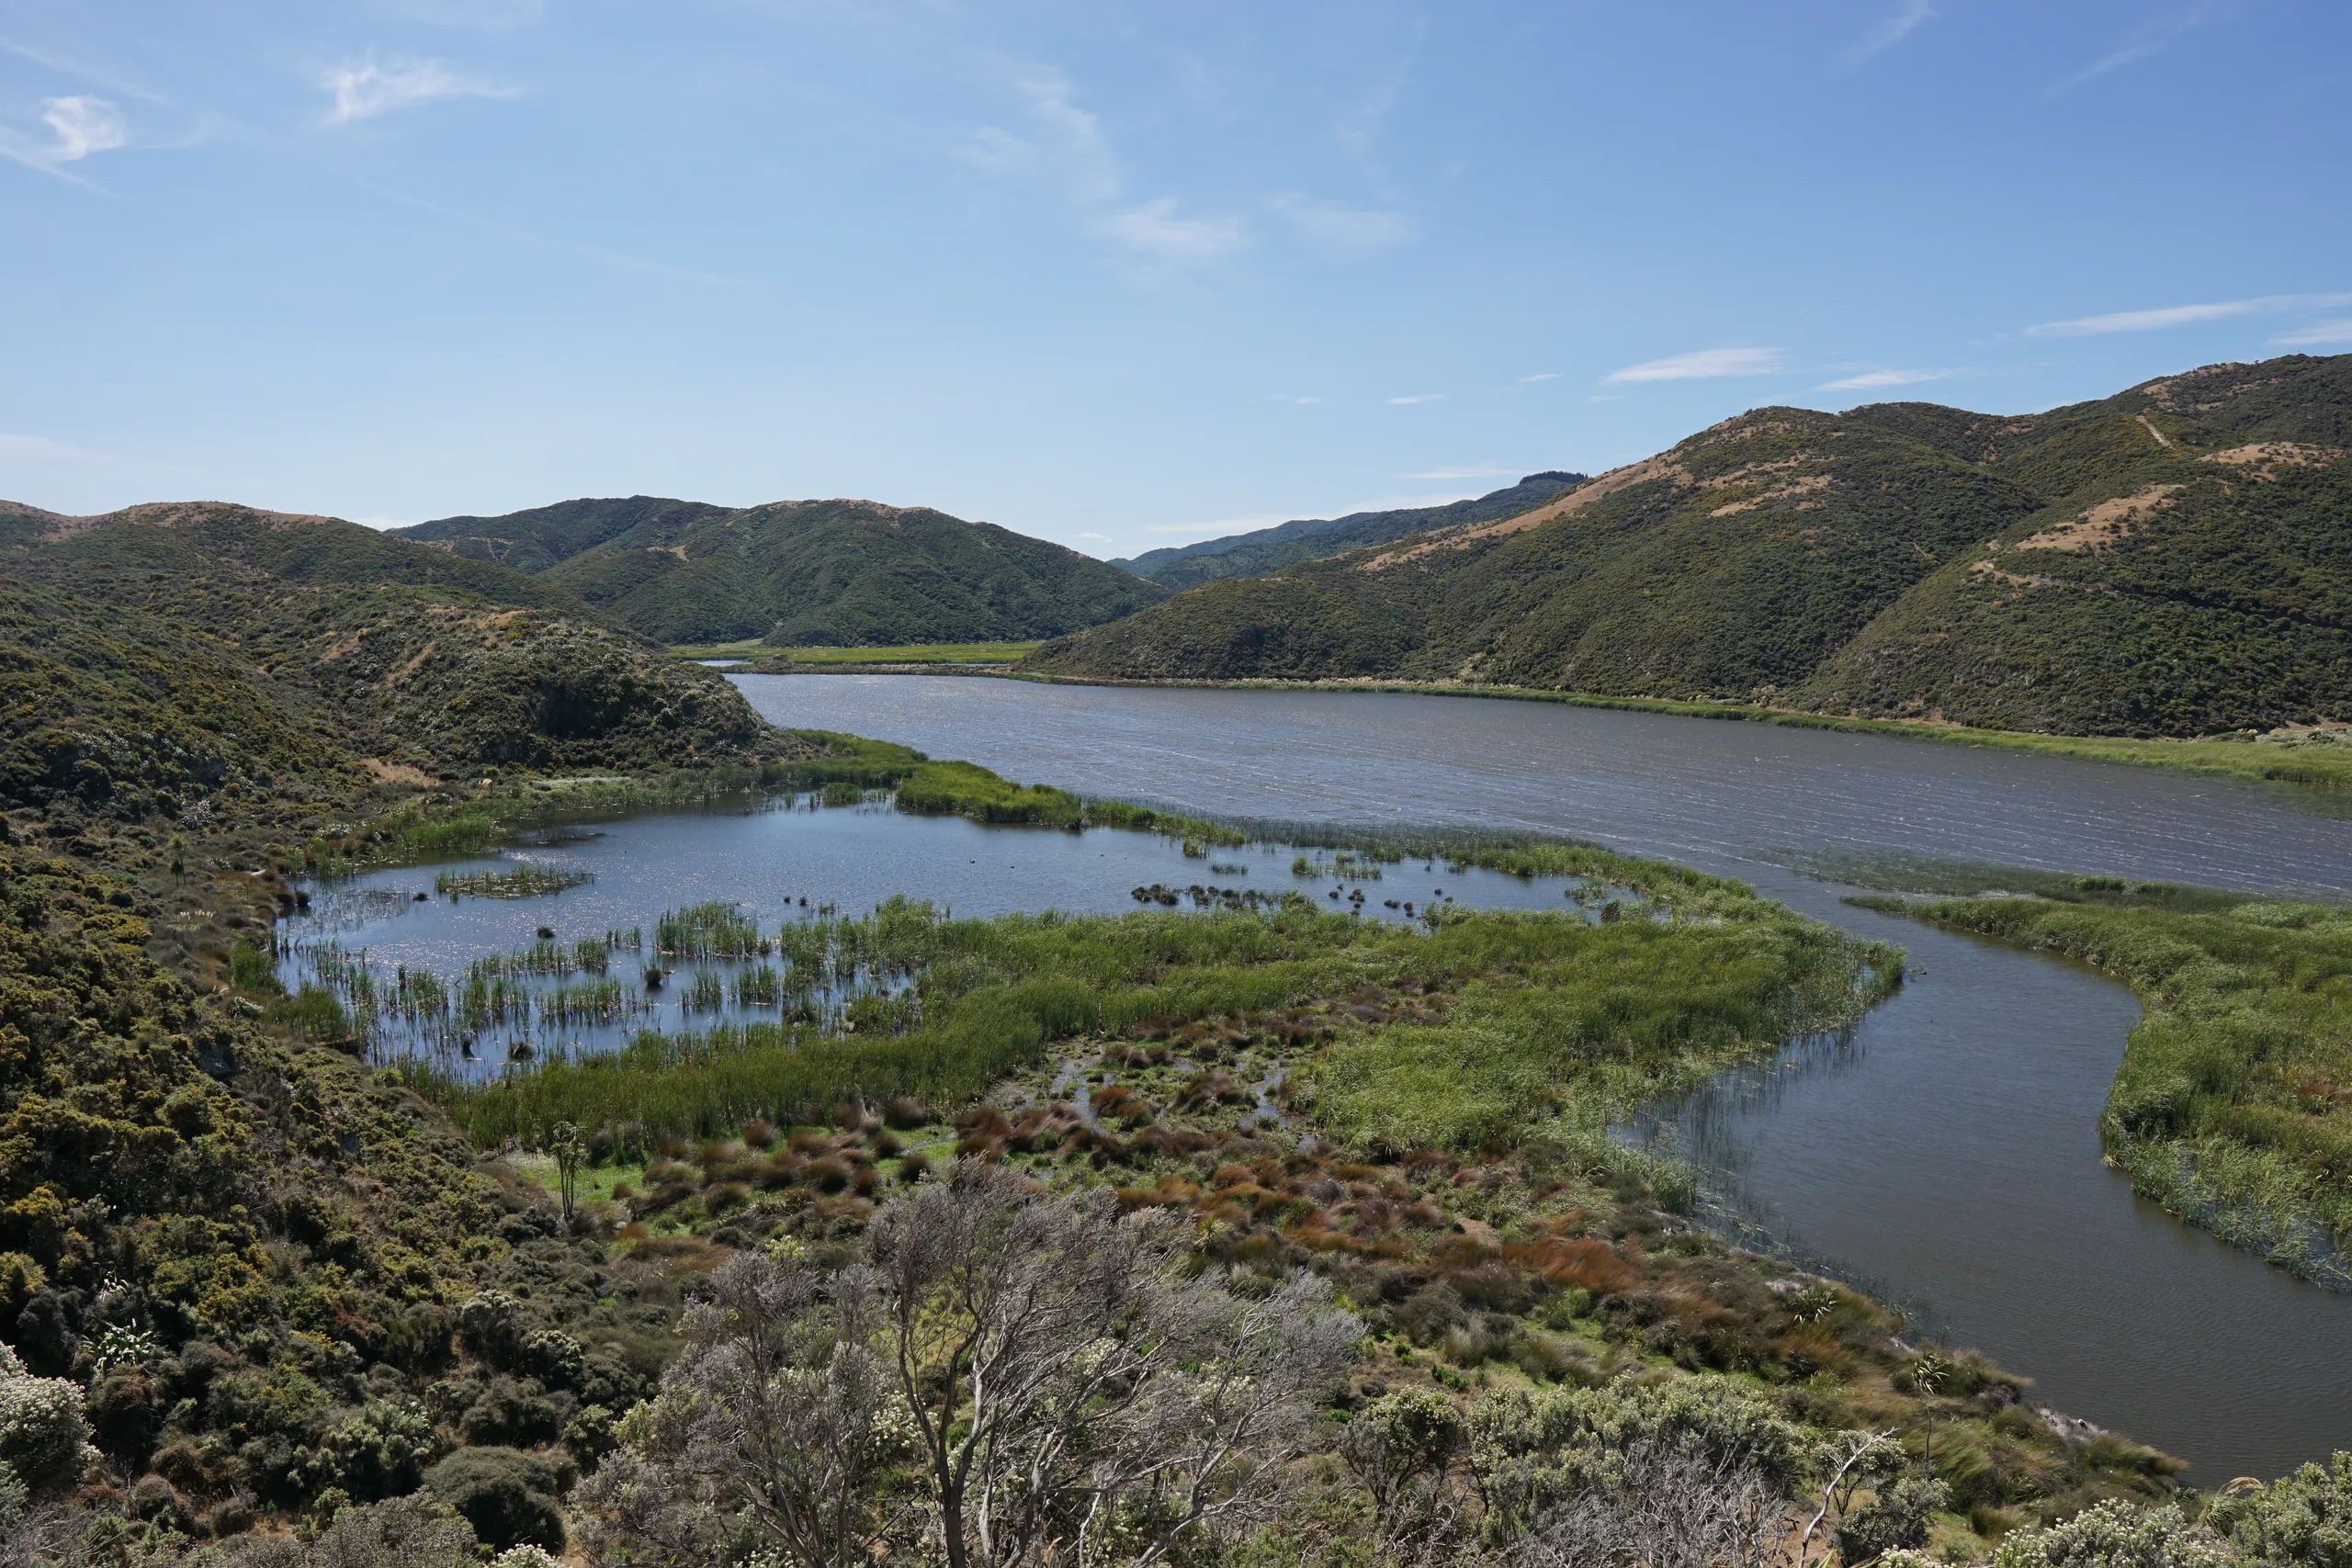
{"x":365,"y":87}
{"x":1063,"y":142}
{"x":40,"y":448}
{"x":1336,"y":226}
{"x":1486,"y":473}
{"x":2152,"y":36}
{"x":1304,"y":401}
{"x":1906,"y":19}
{"x":2184,"y":315}
{"x":1871,"y":380}
{"x":1541,"y":376}
{"x":1704,"y":364}
{"x":85,"y":125}
{"x":1155,"y":230}
{"x":1098,"y":538}
{"x":1412,"y":398}
{"x":2317,"y":333}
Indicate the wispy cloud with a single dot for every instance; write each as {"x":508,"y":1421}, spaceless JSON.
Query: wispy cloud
{"x":1484,"y":473}
{"x":2318,"y":332}
{"x":365,"y":87}
{"x":1540,"y":375}
{"x":1061,"y":141}
{"x":78,"y":126}
{"x":85,"y":125}
{"x":1155,"y":230}
{"x":1908,"y":18}
{"x":1301,"y":402}
{"x":1334,"y":226}
{"x":1704,"y":364}
{"x":2152,"y":36}
{"x":1871,"y":380}
{"x":2184,"y":315}
{"x":41,"y":449}
{"x":1098,"y":538}
{"x":1411,"y":397}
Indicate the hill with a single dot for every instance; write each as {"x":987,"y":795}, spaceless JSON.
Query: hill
{"x":2172,"y":560}
{"x":543,"y":537}
{"x":800,"y":572}
{"x":1271,"y":549}
{"x":153,"y":658}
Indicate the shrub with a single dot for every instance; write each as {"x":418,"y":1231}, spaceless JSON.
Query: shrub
{"x":508,"y":1496}
{"x":2303,"y":1518}
{"x":44,"y":1433}
{"x":2115,"y":1535}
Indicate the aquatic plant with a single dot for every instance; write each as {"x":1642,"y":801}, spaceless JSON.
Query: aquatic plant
{"x":525,"y":881}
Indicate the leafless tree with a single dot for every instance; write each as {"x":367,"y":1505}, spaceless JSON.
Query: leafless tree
{"x":1675,"y":1505}
{"x":1018,"y":1381}
{"x":1069,"y":1383}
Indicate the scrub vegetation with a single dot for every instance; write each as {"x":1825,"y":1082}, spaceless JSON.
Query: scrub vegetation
{"x":2167,"y":562}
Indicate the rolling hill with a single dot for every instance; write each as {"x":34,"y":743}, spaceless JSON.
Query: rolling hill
{"x":2172,"y":560}
{"x":152,"y":656}
{"x":1271,"y":549}
{"x":800,"y":572}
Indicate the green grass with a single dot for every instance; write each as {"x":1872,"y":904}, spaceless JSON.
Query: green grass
{"x":897,"y":653}
{"x":2233,"y":1104}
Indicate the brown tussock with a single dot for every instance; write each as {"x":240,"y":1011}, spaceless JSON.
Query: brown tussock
{"x":1567,"y":505}
{"x":2265,"y":459}
{"x":2104,"y":524}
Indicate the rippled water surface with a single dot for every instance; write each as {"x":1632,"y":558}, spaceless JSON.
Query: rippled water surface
{"x":1947,"y":1155}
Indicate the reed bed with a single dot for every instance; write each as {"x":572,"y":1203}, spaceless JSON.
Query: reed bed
{"x":522,"y":882}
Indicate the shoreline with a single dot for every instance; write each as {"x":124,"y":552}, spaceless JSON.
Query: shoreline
{"x":2314,"y":767}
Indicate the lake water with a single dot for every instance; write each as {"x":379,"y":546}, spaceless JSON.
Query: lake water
{"x":1947,"y":1156}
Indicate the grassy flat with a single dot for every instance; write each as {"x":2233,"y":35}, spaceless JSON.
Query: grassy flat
{"x":897,"y":653}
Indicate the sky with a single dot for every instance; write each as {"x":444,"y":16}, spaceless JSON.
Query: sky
{"x":1121,"y":276}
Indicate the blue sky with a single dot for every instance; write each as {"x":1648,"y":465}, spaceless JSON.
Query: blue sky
{"x":1121,"y":275}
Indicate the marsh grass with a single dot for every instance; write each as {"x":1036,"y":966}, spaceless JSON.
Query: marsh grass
{"x":1547,"y":1020}
{"x":2233,"y":1104}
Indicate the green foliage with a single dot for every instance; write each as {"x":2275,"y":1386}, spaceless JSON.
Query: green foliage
{"x":2231,"y":1107}
{"x":2303,"y":1519}
{"x":2111,"y":1535}
{"x":1535,"y":1452}
{"x":509,"y":1497}
{"x":834,"y":573}
{"x":1266,"y":550}
{"x":2067,"y":572}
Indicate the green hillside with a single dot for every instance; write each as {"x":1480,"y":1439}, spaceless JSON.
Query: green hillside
{"x":2169,"y":561}
{"x":547,"y":535}
{"x":801,"y":573}
{"x":1271,"y":549}
{"x":153,"y":658}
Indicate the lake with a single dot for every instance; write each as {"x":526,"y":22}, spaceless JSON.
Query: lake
{"x":1947,"y":1154}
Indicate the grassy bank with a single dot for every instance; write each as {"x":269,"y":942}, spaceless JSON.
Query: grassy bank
{"x":754,"y":650}
{"x":2318,"y":759}
{"x":2234,"y":1105}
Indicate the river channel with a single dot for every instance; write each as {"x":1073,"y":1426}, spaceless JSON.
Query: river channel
{"x":1946,"y":1156}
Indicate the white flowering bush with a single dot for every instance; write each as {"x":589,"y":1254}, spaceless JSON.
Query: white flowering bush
{"x":2112,"y":1535}
{"x":44,"y":1432}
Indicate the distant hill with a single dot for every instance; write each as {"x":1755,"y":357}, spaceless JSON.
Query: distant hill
{"x":2172,"y":560}
{"x":1271,"y":549}
{"x":151,"y":655}
{"x":800,"y":572}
